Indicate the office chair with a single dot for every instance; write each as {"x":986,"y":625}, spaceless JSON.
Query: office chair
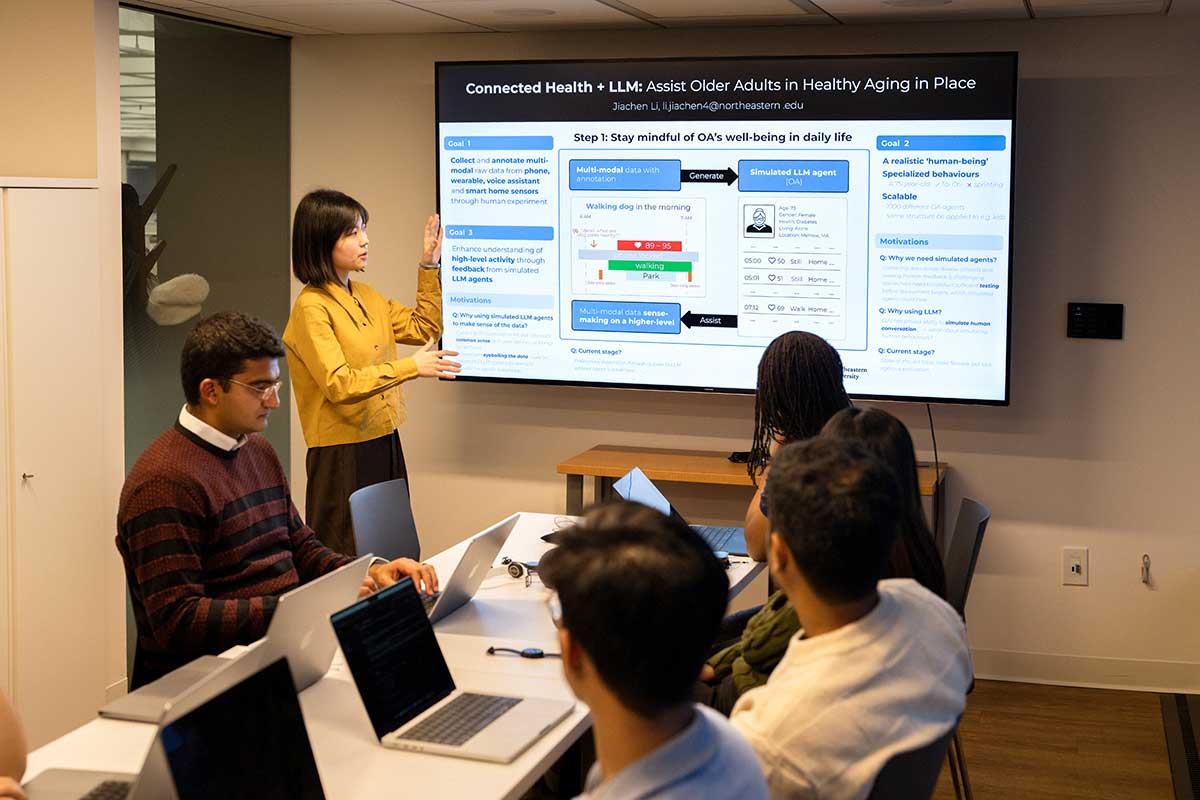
{"x":963,"y":552}
{"x":912,"y":775}
{"x":383,"y":521}
{"x":960,"y":562}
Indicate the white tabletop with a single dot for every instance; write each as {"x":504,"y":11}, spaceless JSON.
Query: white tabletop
{"x":351,"y":761}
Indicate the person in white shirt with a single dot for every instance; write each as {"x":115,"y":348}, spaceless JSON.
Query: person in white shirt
{"x":879,"y":667}
{"x":637,"y":598}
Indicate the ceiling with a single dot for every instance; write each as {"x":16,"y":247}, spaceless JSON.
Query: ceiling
{"x":137,"y":85}
{"x":324,"y":17}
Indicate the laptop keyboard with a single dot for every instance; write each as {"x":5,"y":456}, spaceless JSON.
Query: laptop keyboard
{"x":109,"y":790}
{"x":460,"y":719}
{"x":716,"y":536}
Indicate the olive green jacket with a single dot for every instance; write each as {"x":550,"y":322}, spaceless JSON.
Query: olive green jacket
{"x":762,"y":645}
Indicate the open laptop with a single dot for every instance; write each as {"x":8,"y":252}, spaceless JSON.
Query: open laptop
{"x":299,"y":629}
{"x":410,"y":697}
{"x":238,"y":733}
{"x":146,"y":703}
{"x":635,"y":486}
{"x":248,"y":741}
{"x":462,"y":584}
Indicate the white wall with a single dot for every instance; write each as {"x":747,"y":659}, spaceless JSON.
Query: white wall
{"x":1096,"y":448}
{"x":48,"y":57}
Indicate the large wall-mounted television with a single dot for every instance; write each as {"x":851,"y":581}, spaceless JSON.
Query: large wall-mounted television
{"x":654,"y":224}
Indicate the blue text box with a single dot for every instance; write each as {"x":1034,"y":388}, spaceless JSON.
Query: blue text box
{"x":623,"y":317}
{"x":941,"y":241}
{"x":793,"y":176}
{"x":638,"y":175}
{"x":941,"y":142}
{"x":498,"y":143}
{"x":533,"y":233}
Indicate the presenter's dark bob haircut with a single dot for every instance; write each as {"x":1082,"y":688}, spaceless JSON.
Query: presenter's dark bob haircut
{"x":322,"y":217}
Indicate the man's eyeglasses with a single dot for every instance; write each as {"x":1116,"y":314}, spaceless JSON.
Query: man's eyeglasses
{"x":264,"y":392}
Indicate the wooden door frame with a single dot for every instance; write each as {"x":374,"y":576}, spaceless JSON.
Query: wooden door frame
{"x":6,"y":476}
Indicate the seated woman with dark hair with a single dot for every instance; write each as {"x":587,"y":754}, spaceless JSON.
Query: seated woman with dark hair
{"x":914,"y":553}
{"x":799,"y":389}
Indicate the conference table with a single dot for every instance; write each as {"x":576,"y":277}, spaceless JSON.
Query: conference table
{"x":505,"y":612}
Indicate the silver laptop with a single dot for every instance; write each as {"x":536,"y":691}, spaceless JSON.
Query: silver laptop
{"x":464,"y":582}
{"x":636,"y":487}
{"x":299,"y":627}
{"x":146,"y":704}
{"x":186,"y":759}
{"x":410,"y":697}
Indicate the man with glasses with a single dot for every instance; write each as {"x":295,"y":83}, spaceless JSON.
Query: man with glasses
{"x":637,"y":598}
{"x":206,"y":527}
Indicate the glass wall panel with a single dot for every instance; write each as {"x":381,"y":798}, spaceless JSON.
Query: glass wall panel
{"x":205,"y":120}
{"x":205,"y":153}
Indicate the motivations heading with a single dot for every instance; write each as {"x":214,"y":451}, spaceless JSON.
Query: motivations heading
{"x":879,"y":85}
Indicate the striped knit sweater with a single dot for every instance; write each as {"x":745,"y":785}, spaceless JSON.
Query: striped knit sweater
{"x":210,"y":539}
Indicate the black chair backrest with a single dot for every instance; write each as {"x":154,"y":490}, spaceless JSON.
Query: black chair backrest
{"x":912,"y":775}
{"x":383,"y":521}
{"x":972,"y":521}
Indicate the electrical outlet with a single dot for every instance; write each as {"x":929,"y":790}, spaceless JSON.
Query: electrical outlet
{"x":1075,"y":566}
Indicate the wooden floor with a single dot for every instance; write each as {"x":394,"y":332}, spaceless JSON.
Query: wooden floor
{"x":1038,"y":742}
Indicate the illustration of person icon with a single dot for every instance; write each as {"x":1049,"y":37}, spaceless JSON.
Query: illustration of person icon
{"x":759,"y":223}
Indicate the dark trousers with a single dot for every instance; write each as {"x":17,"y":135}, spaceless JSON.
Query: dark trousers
{"x":337,"y":471}
{"x":723,"y":694}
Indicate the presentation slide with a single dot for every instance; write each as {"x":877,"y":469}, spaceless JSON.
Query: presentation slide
{"x":655,"y":224}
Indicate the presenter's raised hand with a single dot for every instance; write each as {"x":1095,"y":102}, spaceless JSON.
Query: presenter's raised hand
{"x":431,"y":250}
{"x":423,"y":575}
{"x":434,"y":364}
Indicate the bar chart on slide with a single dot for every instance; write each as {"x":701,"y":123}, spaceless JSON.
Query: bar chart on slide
{"x":638,"y":247}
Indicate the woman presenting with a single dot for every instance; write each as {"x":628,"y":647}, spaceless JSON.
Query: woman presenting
{"x":341,"y":340}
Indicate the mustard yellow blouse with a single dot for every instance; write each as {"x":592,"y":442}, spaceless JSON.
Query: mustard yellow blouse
{"x":342,"y":357}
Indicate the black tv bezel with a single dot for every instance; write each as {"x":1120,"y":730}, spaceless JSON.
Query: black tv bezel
{"x":1014,"y":55}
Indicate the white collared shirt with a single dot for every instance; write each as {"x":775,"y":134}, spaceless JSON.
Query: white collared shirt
{"x":207,"y":432}
{"x":839,"y":705}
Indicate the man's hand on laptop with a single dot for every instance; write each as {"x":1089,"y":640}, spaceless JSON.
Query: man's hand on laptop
{"x":369,"y":586}
{"x":423,"y":575}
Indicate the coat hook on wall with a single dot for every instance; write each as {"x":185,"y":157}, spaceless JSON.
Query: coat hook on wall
{"x":170,"y":302}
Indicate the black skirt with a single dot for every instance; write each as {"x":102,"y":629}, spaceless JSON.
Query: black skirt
{"x":337,"y":471}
